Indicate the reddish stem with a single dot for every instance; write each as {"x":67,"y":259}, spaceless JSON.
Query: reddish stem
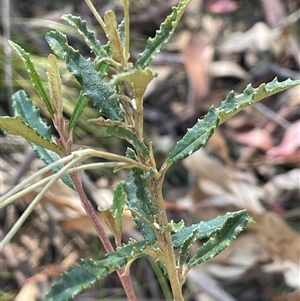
{"x":124,"y":277}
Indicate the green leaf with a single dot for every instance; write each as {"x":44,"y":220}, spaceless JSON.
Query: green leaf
{"x":198,"y":135}
{"x":30,"y":114}
{"x":80,"y":278}
{"x":130,"y":136}
{"x":35,"y":78}
{"x":114,"y":216}
{"x":234,"y":104}
{"x":81,"y":103}
{"x":138,"y":200}
{"x":207,"y":228}
{"x":89,"y":36}
{"x":92,"y":84}
{"x":163,"y":35}
{"x":185,"y":247}
{"x":229,"y":230}
{"x":195,"y":137}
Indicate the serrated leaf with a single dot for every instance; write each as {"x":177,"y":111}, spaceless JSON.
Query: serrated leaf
{"x":92,"y":84}
{"x":198,"y":135}
{"x":30,"y":114}
{"x":80,"y":278}
{"x":229,"y":230}
{"x":195,"y":137}
{"x":138,"y":200}
{"x":235,"y":103}
{"x":81,"y":103}
{"x":88,"y":35}
{"x":16,"y":126}
{"x":28,"y":124}
{"x":185,"y":247}
{"x":130,"y":136}
{"x":163,"y":35}
{"x":113,"y":36}
{"x":55,"y":87}
{"x":35,"y":78}
{"x":207,"y":228}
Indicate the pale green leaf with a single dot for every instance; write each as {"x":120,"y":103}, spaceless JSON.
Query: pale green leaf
{"x":16,"y":126}
{"x":114,"y":38}
{"x":55,"y":87}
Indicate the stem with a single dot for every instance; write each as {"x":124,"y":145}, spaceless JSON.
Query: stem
{"x":164,"y":238}
{"x":125,"y":279}
{"x":32,"y":205}
{"x":139,"y":118}
{"x":96,"y":15}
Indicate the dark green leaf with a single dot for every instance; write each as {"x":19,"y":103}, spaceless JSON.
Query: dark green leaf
{"x":185,"y":247}
{"x":81,"y":103}
{"x":195,"y":137}
{"x":92,"y":84}
{"x":224,"y":235}
{"x":121,"y":31}
{"x":130,"y":136}
{"x":207,"y":228}
{"x":80,"y":278}
{"x":89,"y":36}
{"x":30,"y":114}
{"x":138,"y":200}
{"x":35,"y":78}
{"x":163,"y":35}
{"x":235,"y":103}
